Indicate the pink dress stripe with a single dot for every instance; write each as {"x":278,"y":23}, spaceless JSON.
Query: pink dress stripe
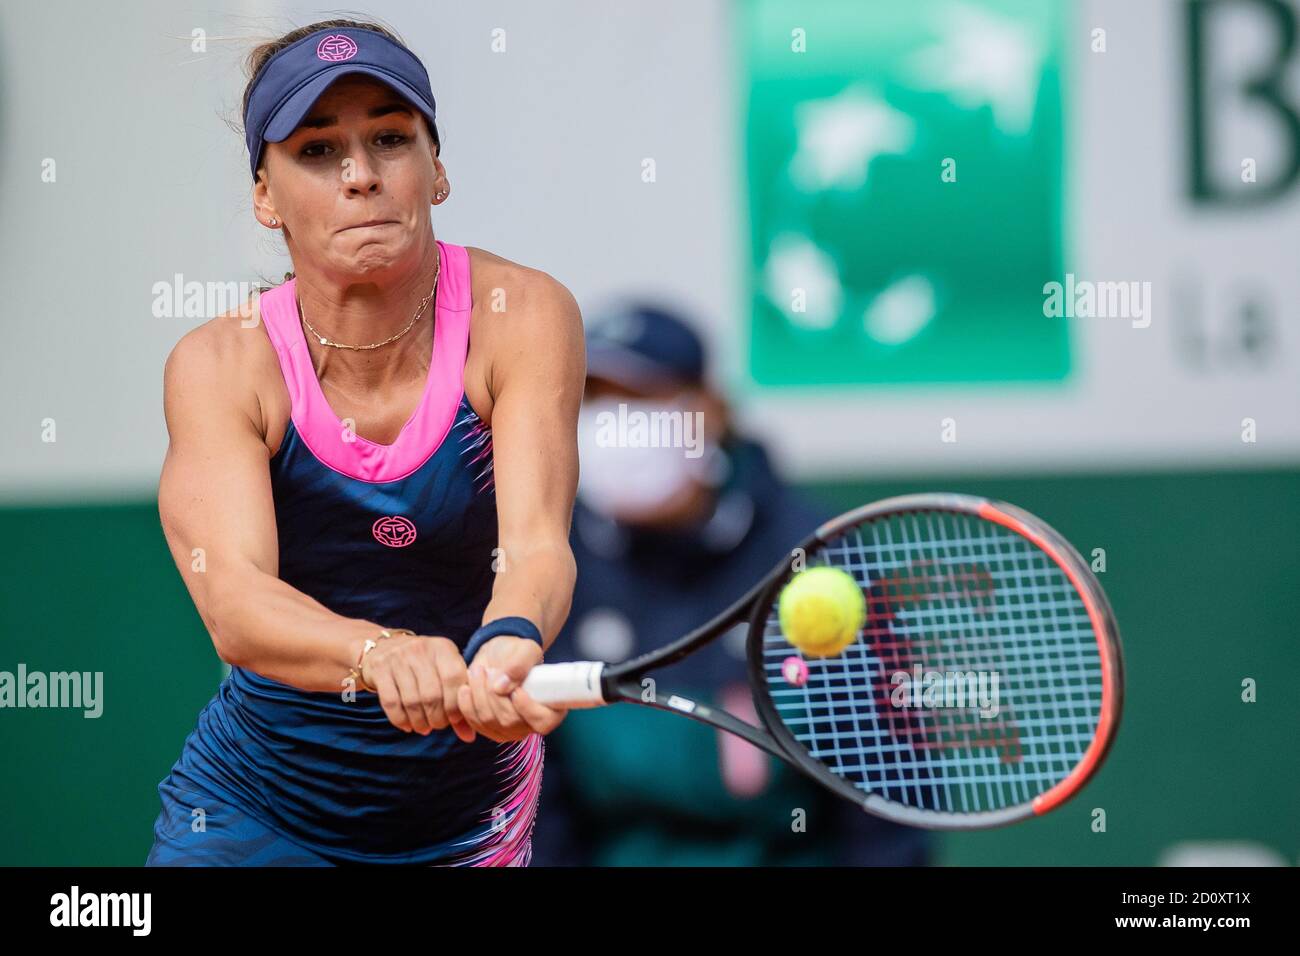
{"x":334,"y":445}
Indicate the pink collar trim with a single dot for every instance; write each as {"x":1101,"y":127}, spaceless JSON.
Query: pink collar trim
{"x":323,"y":432}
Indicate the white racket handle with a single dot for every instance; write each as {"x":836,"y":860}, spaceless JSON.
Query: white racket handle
{"x":570,"y":685}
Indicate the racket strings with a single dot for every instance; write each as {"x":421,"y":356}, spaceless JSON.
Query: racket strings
{"x":975,"y":683}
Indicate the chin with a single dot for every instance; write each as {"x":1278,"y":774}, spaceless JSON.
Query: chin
{"x":374,"y":257}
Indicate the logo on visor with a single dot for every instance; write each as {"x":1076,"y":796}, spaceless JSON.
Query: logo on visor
{"x":335,"y":48}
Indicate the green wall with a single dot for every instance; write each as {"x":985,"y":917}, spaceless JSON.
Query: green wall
{"x":1202,"y":573}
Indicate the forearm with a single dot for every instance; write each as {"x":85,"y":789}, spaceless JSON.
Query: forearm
{"x":263,"y":624}
{"x":536,"y":584}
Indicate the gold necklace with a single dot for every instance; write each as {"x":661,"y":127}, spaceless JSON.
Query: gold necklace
{"x":392,"y":338}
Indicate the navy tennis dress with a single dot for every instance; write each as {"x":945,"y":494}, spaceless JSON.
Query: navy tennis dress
{"x":400,"y":534}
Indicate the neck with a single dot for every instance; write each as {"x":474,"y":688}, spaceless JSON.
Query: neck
{"x":364,"y":312}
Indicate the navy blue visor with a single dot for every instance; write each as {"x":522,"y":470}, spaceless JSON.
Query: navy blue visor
{"x":293,"y":79}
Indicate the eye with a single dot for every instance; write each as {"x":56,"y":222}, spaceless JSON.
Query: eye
{"x":400,"y":139}
{"x":307,"y":151}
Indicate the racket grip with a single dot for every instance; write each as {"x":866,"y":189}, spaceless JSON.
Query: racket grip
{"x":570,"y":685}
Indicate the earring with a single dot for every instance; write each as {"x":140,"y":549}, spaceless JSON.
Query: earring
{"x":274,"y":221}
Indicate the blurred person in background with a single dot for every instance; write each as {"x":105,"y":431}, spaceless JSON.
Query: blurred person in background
{"x":664,"y":539}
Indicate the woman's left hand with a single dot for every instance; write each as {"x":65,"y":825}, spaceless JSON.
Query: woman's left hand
{"x":494,"y":702}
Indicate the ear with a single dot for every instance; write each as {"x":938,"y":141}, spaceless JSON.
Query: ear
{"x":263,"y":207}
{"x":441,"y":186}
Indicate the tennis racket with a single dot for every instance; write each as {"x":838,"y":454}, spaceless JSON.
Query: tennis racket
{"x":984,"y":687}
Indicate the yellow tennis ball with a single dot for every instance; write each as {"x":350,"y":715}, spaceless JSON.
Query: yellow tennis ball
{"x":821,"y":611}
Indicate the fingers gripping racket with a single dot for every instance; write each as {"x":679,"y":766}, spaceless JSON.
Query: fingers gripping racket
{"x":984,"y":687}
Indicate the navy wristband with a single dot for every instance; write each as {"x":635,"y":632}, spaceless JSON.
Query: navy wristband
{"x":513,"y":626}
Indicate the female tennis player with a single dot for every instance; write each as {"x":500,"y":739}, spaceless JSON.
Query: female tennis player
{"x":368,"y":495}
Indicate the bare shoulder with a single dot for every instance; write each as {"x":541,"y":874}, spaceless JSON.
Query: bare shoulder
{"x":227,"y":363}
{"x":497,"y":279}
{"x":522,"y":316}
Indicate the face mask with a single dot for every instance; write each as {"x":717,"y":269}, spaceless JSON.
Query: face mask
{"x":622,"y":473}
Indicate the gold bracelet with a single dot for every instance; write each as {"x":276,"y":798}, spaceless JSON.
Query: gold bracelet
{"x":370,"y":644}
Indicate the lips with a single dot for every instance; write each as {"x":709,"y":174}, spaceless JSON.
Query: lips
{"x":372,"y":222}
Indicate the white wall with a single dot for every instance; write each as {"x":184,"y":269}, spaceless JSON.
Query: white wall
{"x":544,"y":145}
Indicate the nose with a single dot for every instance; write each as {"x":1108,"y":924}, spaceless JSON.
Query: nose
{"x":361,"y":176}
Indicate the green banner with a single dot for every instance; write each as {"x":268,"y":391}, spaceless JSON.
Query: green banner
{"x":905,"y":191}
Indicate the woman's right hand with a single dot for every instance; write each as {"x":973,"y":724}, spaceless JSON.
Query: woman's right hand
{"x":418,"y":680}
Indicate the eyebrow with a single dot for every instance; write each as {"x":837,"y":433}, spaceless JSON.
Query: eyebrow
{"x":320,"y":122}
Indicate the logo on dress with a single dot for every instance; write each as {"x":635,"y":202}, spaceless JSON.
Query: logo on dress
{"x":336,"y":47}
{"x":393,"y":531}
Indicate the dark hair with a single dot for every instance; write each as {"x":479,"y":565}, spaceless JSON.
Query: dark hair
{"x":260,"y":54}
